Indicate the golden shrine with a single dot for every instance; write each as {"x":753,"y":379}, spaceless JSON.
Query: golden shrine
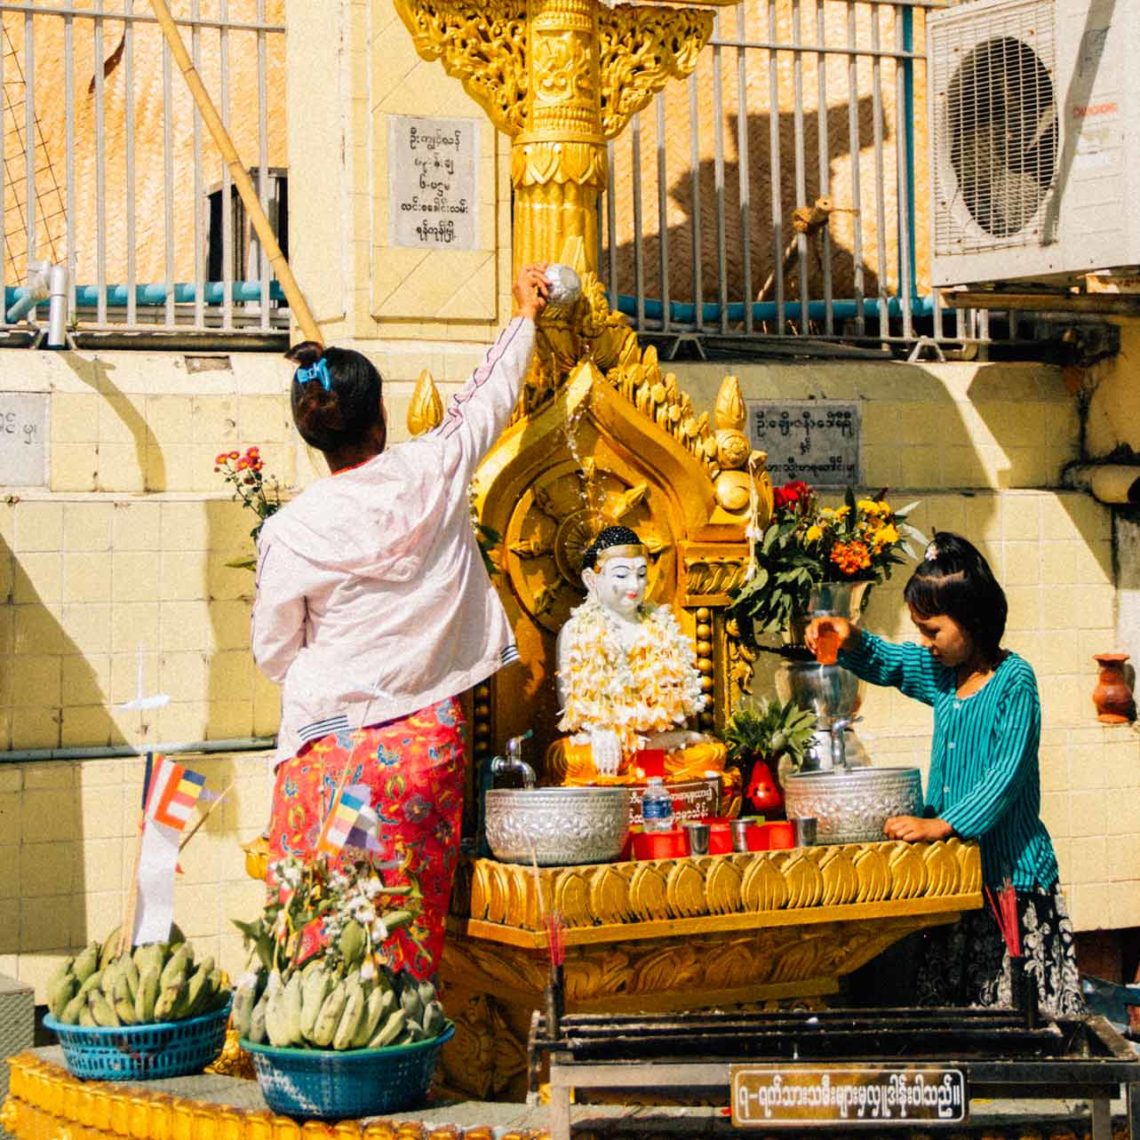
{"x":604,"y":435}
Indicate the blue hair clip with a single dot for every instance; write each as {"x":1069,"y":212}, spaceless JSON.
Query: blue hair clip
{"x":318,"y":371}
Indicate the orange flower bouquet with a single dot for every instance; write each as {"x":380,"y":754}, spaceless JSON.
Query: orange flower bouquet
{"x":805,"y":545}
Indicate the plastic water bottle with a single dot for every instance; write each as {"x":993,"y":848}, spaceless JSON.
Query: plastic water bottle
{"x":657,"y":806}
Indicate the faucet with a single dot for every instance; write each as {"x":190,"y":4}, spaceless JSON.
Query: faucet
{"x":837,"y":728}
{"x":513,"y":763}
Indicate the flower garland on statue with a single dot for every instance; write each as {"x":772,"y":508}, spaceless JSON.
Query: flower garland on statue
{"x":650,"y":686}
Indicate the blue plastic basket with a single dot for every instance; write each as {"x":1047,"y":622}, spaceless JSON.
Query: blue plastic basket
{"x":142,"y":1052}
{"x":346,"y":1084}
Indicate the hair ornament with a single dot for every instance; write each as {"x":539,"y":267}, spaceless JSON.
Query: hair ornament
{"x":931,"y":553}
{"x":318,"y":371}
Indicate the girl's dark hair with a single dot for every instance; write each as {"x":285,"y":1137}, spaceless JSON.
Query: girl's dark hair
{"x":344,"y":413}
{"x":955,"y":579}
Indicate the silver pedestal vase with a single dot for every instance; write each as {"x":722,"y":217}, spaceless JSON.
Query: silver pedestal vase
{"x":832,"y":693}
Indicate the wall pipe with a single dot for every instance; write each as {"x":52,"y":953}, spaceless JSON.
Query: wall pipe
{"x":257,"y":216}
{"x":119,"y":751}
{"x":1115,"y":484}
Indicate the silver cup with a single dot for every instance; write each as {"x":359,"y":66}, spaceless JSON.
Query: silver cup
{"x":805,"y":830}
{"x":740,"y":834}
{"x":698,"y":837}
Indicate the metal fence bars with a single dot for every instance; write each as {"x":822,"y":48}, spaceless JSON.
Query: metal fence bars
{"x":109,"y":174}
{"x":777,"y":193}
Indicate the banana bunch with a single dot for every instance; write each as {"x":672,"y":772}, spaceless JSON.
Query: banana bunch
{"x":156,"y":982}
{"x":322,"y":1007}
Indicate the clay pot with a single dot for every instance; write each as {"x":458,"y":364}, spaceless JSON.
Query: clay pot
{"x":1113,"y":695}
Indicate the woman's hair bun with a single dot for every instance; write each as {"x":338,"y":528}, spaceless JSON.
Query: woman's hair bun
{"x":306,"y":353}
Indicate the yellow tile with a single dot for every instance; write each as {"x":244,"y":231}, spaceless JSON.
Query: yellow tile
{"x":122,"y":420}
{"x":87,"y":526}
{"x":9,"y":926}
{"x":87,"y":577}
{"x":136,"y":623}
{"x":171,"y":418}
{"x":230,"y":719}
{"x":1058,"y":562}
{"x":1123,"y":853}
{"x":230,"y":623}
{"x":97,"y":915}
{"x":39,"y":526}
{"x":97,"y":864}
{"x":35,"y":727}
{"x":1022,"y":564}
{"x":198,"y":911}
{"x":9,"y":819}
{"x":37,"y":681}
{"x":265,"y":419}
{"x":10,"y":873}
{"x":100,"y":773}
{"x":215,"y":423}
{"x":135,"y":526}
{"x":184,"y":526}
{"x":1089,"y":906}
{"x":184,"y":627}
{"x":1124,"y":906}
{"x":183,"y":720}
{"x":184,"y":675}
{"x":11,"y":780}
{"x":182,"y":575}
{"x":46,"y":869}
{"x":125,"y":676}
{"x":88,"y":626}
{"x":87,"y":726}
{"x":102,"y":811}
{"x":1024,"y":607}
{"x":44,"y":819}
{"x":1094,"y":563}
{"x":74,"y":467}
{"x":49,"y":775}
{"x":120,"y":468}
{"x":134,"y":576}
{"x":38,"y":577}
{"x":74,"y":418}
{"x":1089,"y":814}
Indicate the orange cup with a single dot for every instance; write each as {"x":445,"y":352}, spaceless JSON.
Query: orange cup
{"x":827,"y":646}
{"x":781,"y":834}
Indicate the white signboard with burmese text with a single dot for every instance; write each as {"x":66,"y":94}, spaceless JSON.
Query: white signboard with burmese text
{"x":432,"y":183}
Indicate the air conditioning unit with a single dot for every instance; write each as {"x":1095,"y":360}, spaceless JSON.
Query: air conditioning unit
{"x":1035,"y":130}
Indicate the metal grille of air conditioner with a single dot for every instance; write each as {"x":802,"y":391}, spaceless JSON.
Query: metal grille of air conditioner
{"x":997,"y":137}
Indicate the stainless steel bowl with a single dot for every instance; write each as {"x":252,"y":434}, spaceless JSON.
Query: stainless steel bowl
{"x":557,"y":827}
{"x":851,"y":807}
{"x":829,"y":691}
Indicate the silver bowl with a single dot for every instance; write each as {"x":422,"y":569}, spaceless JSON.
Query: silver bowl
{"x":557,"y":827}
{"x":851,"y":807}
{"x":828,"y":691}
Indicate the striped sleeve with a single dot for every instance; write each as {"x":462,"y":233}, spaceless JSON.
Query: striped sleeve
{"x":906,"y":666}
{"x":1009,"y":756}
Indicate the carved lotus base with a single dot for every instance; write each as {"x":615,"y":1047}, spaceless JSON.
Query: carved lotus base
{"x":757,"y":928}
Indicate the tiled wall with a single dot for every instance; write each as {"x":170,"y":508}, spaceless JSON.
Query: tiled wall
{"x":128,"y":546}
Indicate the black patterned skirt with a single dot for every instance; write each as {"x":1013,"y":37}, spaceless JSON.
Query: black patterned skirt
{"x":966,"y":963}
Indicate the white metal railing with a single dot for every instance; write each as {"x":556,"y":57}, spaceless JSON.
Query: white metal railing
{"x":108,"y":172}
{"x":778,"y":193}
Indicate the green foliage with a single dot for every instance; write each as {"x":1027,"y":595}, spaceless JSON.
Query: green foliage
{"x":768,"y":730}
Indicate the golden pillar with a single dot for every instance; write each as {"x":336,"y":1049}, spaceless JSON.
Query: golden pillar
{"x":561,"y":77}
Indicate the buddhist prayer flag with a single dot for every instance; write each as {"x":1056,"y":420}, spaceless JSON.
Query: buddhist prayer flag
{"x":349,"y":813}
{"x":173,"y":792}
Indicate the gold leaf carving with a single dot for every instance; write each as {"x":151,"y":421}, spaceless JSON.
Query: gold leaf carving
{"x":800,"y":960}
{"x":641,"y":50}
{"x":908,"y":872}
{"x":941,"y":870}
{"x":685,"y":889}
{"x":722,"y":886}
{"x":572,"y":898}
{"x":840,"y":879}
{"x":426,"y":408}
{"x":480,"y":888}
{"x":498,"y":893}
{"x":609,"y":894}
{"x":730,"y":409}
{"x":763,"y":888}
{"x":805,"y":883}
{"x":874,"y":875}
{"x":483,"y":45}
{"x":647,"y":895}
{"x":711,"y":575}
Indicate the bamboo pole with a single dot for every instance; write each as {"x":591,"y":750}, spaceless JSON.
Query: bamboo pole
{"x":238,"y":172}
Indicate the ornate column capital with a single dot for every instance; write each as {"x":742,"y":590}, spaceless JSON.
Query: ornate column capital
{"x":483,"y":44}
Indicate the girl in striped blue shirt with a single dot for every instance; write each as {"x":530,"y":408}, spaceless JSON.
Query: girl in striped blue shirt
{"x":984,"y":782}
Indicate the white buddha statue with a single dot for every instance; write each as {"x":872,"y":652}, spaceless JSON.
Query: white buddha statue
{"x":627,"y":679}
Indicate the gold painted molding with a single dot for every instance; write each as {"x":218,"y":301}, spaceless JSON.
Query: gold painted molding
{"x":46,"y":1103}
{"x":616,"y":902}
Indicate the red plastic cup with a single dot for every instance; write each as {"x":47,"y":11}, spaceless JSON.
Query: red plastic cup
{"x":720,"y":837}
{"x":781,"y":834}
{"x":672,"y":844}
{"x":758,"y":837}
{"x":827,"y":645}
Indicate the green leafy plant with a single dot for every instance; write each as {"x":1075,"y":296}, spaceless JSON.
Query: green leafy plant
{"x":805,"y":545}
{"x":768,"y":731}
{"x":254,"y":489}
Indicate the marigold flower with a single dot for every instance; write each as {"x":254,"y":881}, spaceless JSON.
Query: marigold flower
{"x":253,"y":452}
{"x":851,"y":557}
{"x":886,"y":535}
{"x":814,"y":533}
{"x":233,"y":455}
{"x":242,"y":463}
{"x":220,"y":458}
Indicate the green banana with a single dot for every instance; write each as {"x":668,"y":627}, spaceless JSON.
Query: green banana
{"x":122,"y":1001}
{"x":216,"y":991}
{"x":373,"y":1010}
{"x":101,"y":1009}
{"x":411,"y":1004}
{"x":329,"y":1017}
{"x":87,"y":962}
{"x":354,"y":1008}
{"x":413,"y":1031}
{"x":314,"y":990}
{"x":352,"y":943}
{"x":177,"y":965}
{"x":92,"y":982}
{"x":168,"y":1001}
{"x":291,"y":997}
{"x":70,"y":1014}
{"x":192,"y":990}
{"x":146,"y":997}
{"x":109,"y":951}
{"x":60,"y":992}
{"x":130,"y":972}
{"x":257,"y":1032}
{"x":244,"y":1000}
{"x":426,"y":991}
{"x":434,"y":1019}
{"x":85,"y":1018}
{"x":391,"y":1029}
{"x":274,"y":1028}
